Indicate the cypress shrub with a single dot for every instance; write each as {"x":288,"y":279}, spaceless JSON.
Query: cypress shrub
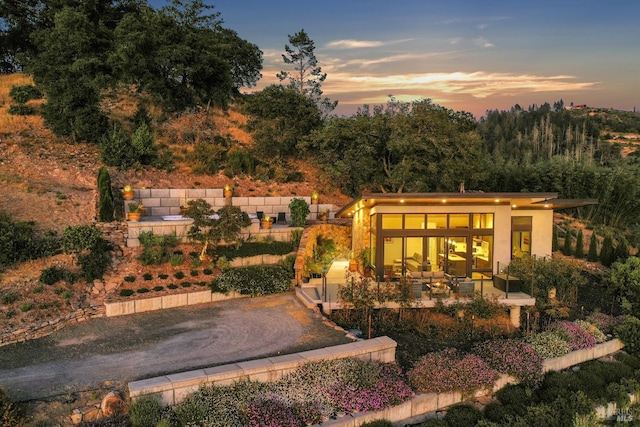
{"x":592,"y":255}
{"x":607,"y":255}
{"x":105,"y":204}
{"x":555,"y":246}
{"x":567,"y":249}
{"x":579,"y":245}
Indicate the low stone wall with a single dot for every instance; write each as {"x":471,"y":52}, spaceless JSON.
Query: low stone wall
{"x":174,"y":388}
{"x":48,"y":327}
{"x":258,"y":260}
{"x":580,"y":356}
{"x":141,"y":305}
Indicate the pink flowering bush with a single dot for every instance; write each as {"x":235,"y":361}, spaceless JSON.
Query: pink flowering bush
{"x":270,"y":412}
{"x":513,"y":357}
{"x":449,"y":370}
{"x":387,"y":389}
{"x":602,"y":321}
{"x":577,"y":336}
{"x":597,"y":334}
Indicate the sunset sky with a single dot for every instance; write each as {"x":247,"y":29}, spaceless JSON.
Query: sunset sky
{"x":464,"y":55}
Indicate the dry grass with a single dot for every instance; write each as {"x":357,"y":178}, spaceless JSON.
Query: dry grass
{"x":11,"y":124}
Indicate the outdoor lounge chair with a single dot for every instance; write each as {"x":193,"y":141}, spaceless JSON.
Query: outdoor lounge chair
{"x":282,"y":218}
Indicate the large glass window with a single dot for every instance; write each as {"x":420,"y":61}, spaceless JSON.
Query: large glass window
{"x":436,"y":221}
{"x":391,"y":221}
{"x":484,"y":220}
{"x":414,"y":221}
{"x":393,"y":257}
{"x":459,"y":221}
{"x":482,"y":252}
{"x":521,"y":236}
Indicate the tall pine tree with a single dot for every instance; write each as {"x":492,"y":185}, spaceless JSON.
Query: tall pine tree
{"x":592,"y":255}
{"x":579,"y":253}
{"x":567,"y":249}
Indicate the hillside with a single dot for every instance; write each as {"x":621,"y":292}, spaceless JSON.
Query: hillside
{"x":52,"y":181}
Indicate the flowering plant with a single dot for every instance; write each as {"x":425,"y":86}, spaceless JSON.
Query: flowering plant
{"x":549,"y":344}
{"x":513,"y":357}
{"x":595,"y":332}
{"x":577,"y":337}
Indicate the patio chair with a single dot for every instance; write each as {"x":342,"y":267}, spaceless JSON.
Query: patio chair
{"x":260,"y":215}
{"x":282,"y":218}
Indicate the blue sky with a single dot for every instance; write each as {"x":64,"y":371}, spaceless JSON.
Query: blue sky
{"x":464,"y":55}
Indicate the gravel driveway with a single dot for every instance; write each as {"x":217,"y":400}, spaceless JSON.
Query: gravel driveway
{"x":121,"y":349}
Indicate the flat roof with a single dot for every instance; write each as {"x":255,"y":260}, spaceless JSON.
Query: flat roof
{"x":516,"y":200}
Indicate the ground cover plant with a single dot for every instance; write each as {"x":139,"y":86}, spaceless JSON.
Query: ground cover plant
{"x":312,"y":393}
{"x":253,"y":280}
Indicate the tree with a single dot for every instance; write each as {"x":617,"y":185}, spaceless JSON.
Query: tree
{"x":622,"y":280}
{"x":299,"y":209}
{"x":307,"y":77}
{"x":281,"y":118}
{"x":105,"y":203}
{"x":567,"y":247}
{"x":622,"y":250}
{"x":210,"y":227}
{"x":592,"y":255}
{"x":554,"y":239}
{"x":607,"y":253}
{"x":579,"y":253}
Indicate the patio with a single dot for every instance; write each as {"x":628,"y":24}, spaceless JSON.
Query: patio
{"x":323,"y":293}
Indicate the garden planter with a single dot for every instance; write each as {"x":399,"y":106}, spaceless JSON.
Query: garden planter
{"x":353,"y":265}
{"x":266,"y":224}
{"x":134,"y":216}
{"x":228,"y":193}
{"x":128,"y":195}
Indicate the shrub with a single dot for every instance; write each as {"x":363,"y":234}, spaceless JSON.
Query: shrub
{"x":378,"y":423}
{"x":249,"y":249}
{"x":178,"y":275}
{"x":76,"y":239}
{"x":10,"y":413}
{"x":156,"y":249}
{"x":130,"y":279}
{"x":207,"y":272}
{"x":592,"y":330}
{"x":26,"y":306}
{"x":513,"y":357}
{"x":629,"y":333}
{"x":172,"y":286}
{"x":158,"y":288}
{"x":52,"y":275}
{"x":577,"y":337}
{"x":105,"y":196}
{"x":194,"y":273}
{"x":21,"y":110}
{"x":448,"y":370}
{"x":176,"y":259}
{"x":24,"y":93}
{"x":462,"y":415}
{"x":163,"y":276}
{"x":254,"y":280}
{"x":299,"y":209}
{"x":126,"y":292}
{"x":9,"y":298}
{"x":96,"y":262}
{"x":146,"y":411}
{"x":147,"y":276}
{"x":20,"y":242}
{"x":434,"y":422}
{"x":602,"y":321}
{"x":143,"y":290}
{"x":549,"y":344}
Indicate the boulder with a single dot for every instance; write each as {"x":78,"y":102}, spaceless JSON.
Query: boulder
{"x":113,"y":404}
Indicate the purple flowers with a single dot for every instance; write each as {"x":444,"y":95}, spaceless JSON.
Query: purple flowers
{"x":513,"y":357}
{"x":576,"y":335}
{"x":449,"y":370}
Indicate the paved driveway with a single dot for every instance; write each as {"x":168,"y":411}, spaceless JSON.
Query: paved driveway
{"x":117,"y":350}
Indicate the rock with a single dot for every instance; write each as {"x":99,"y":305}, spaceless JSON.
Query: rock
{"x":113,"y":404}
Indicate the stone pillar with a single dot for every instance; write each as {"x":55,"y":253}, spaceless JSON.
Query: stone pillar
{"x":514,"y":315}
{"x":228,"y":201}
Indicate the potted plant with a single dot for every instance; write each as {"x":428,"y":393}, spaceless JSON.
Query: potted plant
{"x":299,"y":209}
{"x":266,"y":222}
{"x":135,"y":212}
{"x":228,"y":191}
{"x":314,"y":198}
{"x":364,"y":256}
{"x":323,"y":215}
{"x":128,"y":193}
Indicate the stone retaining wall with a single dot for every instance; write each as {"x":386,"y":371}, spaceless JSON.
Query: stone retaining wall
{"x":45,"y":328}
{"x":141,"y":305}
{"x":174,"y":388}
{"x":258,"y":260}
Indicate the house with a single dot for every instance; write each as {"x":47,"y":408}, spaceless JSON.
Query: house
{"x":466,"y":234}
